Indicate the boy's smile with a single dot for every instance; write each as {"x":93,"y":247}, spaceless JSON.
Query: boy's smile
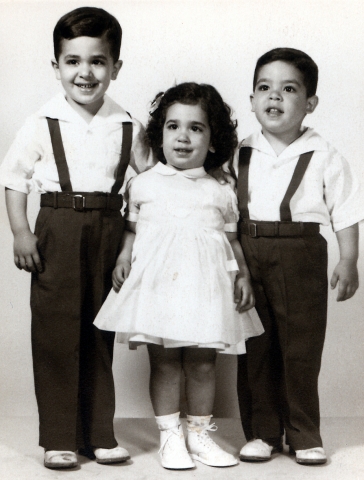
{"x":85,"y":68}
{"x":280,"y":101}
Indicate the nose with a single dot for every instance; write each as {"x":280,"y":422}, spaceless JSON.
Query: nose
{"x":85,"y":70}
{"x":275,"y":95}
{"x":183,"y":136}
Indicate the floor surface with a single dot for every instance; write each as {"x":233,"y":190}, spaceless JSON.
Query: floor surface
{"x":21,"y":458}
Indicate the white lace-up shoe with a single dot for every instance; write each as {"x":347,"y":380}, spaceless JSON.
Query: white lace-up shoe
{"x":311,"y":456}
{"x":173,"y":451}
{"x":257,"y":451}
{"x":111,"y":455}
{"x":203,"y":449}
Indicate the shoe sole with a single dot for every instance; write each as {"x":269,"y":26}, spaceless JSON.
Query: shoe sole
{"x":254,"y":459}
{"x":60,"y":466}
{"x":199,"y":459}
{"x":243,"y":458}
{"x":178,"y":468}
{"x":110,"y":461}
{"x":317,"y":461}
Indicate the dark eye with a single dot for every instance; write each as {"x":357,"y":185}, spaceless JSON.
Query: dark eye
{"x":289,"y":89}
{"x":172,"y":126}
{"x":72,"y":62}
{"x":263,"y":88}
{"x":98,"y":62}
{"x":195,"y":128}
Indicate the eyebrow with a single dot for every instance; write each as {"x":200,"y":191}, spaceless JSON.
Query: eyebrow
{"x":194,"y":122}
{"x":102,"y":56}
{"x":266,"y":80}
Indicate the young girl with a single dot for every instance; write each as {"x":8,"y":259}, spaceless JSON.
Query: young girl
{"x":179,"y":296}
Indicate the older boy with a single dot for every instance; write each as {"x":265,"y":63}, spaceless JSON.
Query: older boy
{"x":74,"y":151}
{"x":290,"y":180}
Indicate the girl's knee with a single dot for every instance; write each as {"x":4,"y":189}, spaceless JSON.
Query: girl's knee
{"x":164,"y":361}
{"x":199,"y":363}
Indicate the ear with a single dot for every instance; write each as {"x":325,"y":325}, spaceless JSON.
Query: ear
{"x":116,"y":69}
{"x":56,"y":69}
{"x":312,"y":103}
{"x":252,"y":102}
{"x":212,"y":149}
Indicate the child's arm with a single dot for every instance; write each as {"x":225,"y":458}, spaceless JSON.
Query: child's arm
{"x":26,"y":255}
{"x":243,"y":292}
{"x":346,"y":272}
{"x":123,"y":263}
{"x":141,"y":157}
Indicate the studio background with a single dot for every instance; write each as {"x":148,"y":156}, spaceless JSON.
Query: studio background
{"x":169,"y":41}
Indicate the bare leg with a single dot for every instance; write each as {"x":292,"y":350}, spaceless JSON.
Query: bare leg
{"x":165,"y":378}
{"x":199,"y":368}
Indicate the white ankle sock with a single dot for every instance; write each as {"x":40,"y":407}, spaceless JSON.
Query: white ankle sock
{"x":196,"y":423}
{"x":165,"y":422}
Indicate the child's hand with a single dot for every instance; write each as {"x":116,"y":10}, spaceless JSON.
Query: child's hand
{"x":346,"y":273}
{"x":222,"y":177}
{"x":26,"y":255}
{"x":120,"y":274}
{"x":243,"y":294}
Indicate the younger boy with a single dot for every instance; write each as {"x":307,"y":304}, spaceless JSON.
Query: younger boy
{"x":290,"y":180}
{"x":74,"y":151}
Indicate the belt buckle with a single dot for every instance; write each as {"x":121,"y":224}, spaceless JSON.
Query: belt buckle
{"x":252,"y":231}
{"x":76,"y":205}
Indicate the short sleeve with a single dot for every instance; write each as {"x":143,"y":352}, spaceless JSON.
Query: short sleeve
{"x":231,"y":215}
{"x":343,"y":193}
{"x":132,"y":208}
{"x":17,"y":169}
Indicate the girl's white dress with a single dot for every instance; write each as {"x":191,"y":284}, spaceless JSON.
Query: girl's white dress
{"x":180,"y":288}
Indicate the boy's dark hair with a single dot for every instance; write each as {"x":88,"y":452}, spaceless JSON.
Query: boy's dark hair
{"x":298,"y":59}
{"x":223,"y":129}
{"x":88,"y":22}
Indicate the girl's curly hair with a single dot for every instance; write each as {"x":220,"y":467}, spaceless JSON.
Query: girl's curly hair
{"x":223,"y":128}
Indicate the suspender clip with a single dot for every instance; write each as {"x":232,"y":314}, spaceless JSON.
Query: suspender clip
{"x":252,"y":229}
{"x":79,"y":202}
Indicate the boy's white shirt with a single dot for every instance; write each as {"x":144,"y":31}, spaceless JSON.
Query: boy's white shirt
{"x":92,"y":150}
{"x":329,"y":191}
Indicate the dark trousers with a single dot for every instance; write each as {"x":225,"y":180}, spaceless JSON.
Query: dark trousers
{"x":72,"y":359}
{"x":278,"y":376}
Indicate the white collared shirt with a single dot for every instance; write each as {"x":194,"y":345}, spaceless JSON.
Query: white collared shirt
{"x":329,"y":192}
{"x":92,"y":150}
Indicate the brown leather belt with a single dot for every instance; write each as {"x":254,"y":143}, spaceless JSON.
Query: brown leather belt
{"x":278,"y":229}
{"x":81,"y":201}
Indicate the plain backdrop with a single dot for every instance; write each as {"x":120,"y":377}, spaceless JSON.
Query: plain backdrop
{"x":167,"y":42}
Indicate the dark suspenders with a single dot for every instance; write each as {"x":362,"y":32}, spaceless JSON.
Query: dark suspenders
{"x":124,"y":157}
{"x":243,"y":193}
{"x":298,"y":174}
{"x":61,"y":162}
{"x":59,"y":155}
{"x":243,"y":181}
